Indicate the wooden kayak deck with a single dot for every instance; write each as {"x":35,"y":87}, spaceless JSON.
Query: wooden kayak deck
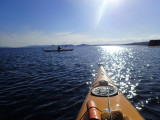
{"x":116,"y":102}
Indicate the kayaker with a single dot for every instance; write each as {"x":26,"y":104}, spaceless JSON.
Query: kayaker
{"x":59,"y":48}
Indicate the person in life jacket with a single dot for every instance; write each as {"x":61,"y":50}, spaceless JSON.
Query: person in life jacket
{"x":59,"y":48}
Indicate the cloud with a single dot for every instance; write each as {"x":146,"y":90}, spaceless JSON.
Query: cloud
{"x":41,"y":38}
{"x":57,"y":38}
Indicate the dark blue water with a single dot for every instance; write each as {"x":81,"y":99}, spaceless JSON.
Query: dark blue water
{"x":35,"y":85}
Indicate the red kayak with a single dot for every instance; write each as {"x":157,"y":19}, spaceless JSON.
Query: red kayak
{"x":57,"y":50}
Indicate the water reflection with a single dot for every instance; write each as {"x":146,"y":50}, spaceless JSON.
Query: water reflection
{"x":135,"y":72}
{"x":118,"y":62}
{"x":112,"y":49}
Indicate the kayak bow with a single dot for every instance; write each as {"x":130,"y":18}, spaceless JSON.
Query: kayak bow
{"x":105,"y":101}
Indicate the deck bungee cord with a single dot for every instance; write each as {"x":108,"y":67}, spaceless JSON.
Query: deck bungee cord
{"x":109,"y":108}
{"x":109,"y":103}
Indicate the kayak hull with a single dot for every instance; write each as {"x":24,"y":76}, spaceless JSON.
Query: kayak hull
{"x":57,"y":50}
{"x":116,"y":102}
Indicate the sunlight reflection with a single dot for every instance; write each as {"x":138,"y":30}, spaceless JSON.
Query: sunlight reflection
{"x":111,"y":56}
{"x":118,"y":61}
{"x":112,"y":49}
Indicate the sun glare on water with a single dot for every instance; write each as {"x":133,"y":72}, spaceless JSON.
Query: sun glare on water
{"x":112,"y":49}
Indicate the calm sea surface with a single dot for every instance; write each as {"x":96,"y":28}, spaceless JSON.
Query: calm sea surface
{"x":35,"y":85}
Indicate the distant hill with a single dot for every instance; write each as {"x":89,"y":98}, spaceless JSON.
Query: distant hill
{"x":35,"y":46}
{"x":70,"y":45}
{"x":47,"y":46}
{"x":83,"y":45}
{"x":5,"y":47}
{"x":154,"y":43}
{"x":137,"y":43}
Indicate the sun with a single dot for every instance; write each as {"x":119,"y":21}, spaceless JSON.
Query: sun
{"x":102,"y":8}
{"x":101,"y":11}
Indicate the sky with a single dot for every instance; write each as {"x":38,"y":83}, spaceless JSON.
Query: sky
{"x":48,"y":22}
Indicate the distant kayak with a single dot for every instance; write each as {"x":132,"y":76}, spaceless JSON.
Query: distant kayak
{"x":57,"y":50}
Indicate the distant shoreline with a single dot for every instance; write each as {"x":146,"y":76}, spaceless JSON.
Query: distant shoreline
{"x":70,"y":45}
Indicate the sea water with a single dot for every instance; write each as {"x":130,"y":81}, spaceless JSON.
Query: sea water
{"x":35,"y":85}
